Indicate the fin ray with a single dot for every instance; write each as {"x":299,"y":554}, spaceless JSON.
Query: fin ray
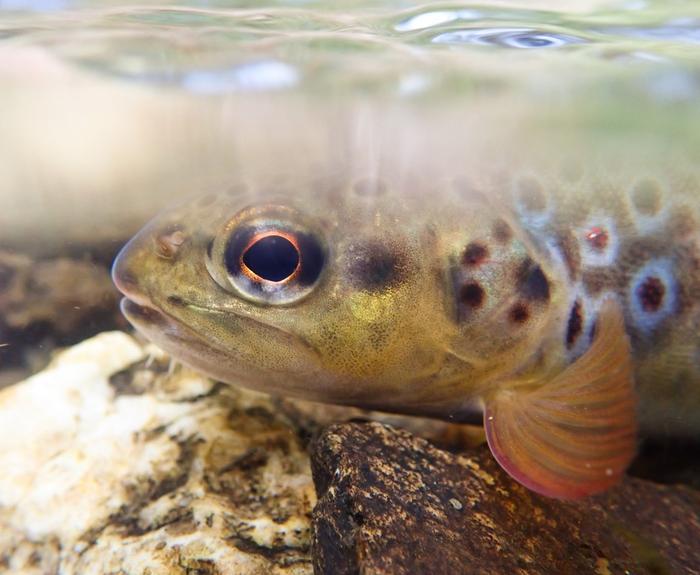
{"x":575,"y":434}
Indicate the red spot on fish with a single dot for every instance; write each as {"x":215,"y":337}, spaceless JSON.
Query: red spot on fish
{"x":651,"y":294}
{"x":598,"y":238}
{"x":475,"y":254}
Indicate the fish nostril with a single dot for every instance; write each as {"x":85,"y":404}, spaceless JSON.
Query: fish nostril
{"x":169,"y":241}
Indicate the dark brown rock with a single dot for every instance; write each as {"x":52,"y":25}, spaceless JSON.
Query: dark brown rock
{"x":391,"y":503}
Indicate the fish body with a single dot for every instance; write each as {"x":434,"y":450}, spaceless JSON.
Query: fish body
{"x":564,"y":307}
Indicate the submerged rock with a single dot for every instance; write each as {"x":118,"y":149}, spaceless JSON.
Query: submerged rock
{"x":112,"y":465}
{"x":113,"y":462}
{"x":391,"y":503}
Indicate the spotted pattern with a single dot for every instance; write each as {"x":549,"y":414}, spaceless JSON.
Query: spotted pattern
{"x":472,"y":295}
{"x":626,"y":242}
{"x":475,"y":254}
{"x":636,"y":241}
{"x":376,"y":265}
{"x":519,"y":313}
{"x":598,"y":241}
{"x":532,"y":282}
{"x":653,"y":294}
{"x":598,"y":238}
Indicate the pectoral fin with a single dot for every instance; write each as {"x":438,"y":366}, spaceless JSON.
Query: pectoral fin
{"x":575,"y":434}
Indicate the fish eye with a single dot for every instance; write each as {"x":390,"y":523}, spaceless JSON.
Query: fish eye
{"x":272,"y":256}
{"x":267,"y":256}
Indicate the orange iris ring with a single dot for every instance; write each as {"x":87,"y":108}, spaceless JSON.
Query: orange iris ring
{"x":250,"y":274}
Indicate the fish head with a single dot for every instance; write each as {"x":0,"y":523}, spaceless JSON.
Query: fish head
{"x":357,"y":298}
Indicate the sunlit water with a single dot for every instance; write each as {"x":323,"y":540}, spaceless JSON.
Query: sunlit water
{"x":105,"y":100}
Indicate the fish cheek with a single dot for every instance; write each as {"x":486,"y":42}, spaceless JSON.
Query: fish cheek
{"x":255,"y":349}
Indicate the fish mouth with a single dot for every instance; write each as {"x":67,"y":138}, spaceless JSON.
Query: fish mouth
{"x":140,"y":311}
{"x":155,"y":323}
{"x":161,"y":326}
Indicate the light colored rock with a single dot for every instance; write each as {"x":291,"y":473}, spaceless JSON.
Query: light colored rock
{"x":114,"y":463}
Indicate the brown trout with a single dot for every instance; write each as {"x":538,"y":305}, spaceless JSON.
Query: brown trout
{"x":564,"y":307}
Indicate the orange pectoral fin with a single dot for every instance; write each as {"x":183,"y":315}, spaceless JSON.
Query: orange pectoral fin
{"x":575,"y":434}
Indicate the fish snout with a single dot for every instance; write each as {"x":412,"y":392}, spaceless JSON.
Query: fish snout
{"x":125,"y":276}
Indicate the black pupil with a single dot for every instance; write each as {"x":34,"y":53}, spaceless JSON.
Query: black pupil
{"x":273,"y":258}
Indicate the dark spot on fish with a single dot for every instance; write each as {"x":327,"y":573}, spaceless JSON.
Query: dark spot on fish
{"x":519,"y":313}
{"x":598,"y":238}
{"x":575,"y":325}
{"x":531,"y":195}
{"x":369,"y":187}
{"x":475,"y":254}
{"x":502,"y":231}
{"x":472,"y":295}
{"x":651,"y":294}
{"x":375,"y":266}
{"x":532,"y":283}
{"x":646,"y":197}
{"x":176,"y":301}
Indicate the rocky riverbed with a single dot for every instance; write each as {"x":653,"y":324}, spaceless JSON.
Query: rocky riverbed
{"x":117,"y":461}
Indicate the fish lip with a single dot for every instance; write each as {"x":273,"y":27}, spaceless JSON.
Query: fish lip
{"x":140,"y":310}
